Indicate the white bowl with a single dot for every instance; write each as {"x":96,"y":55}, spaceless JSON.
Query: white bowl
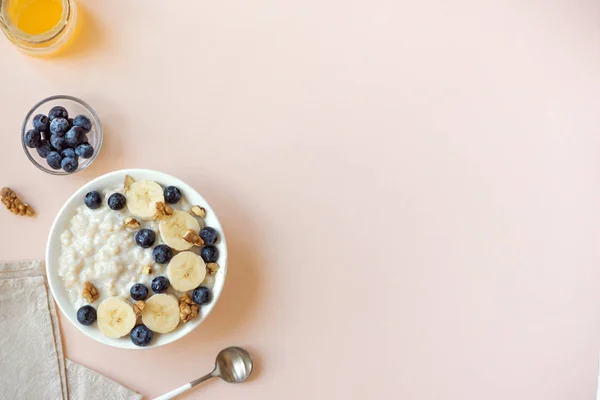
{"x":53,"y":249}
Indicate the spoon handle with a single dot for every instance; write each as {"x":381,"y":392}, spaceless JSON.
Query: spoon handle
{"x":174,"y":392}
{"x":204,"y":378}
{"x":185,"y":387}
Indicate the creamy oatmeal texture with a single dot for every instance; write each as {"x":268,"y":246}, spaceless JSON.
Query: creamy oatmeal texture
{"x":97,"y":246}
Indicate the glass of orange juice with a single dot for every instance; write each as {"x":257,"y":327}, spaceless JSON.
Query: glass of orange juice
{"x":38,"y":27}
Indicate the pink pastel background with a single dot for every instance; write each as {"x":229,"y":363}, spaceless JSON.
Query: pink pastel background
{"x":411,"y":189}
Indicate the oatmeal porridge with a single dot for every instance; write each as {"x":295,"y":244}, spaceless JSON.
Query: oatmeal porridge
{"x":146,"y":254}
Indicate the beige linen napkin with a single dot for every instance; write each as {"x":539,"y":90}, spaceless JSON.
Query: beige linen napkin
{"x":32,"y":363}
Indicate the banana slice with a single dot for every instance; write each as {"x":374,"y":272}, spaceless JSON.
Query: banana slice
{"x":142,"y":197}
{"x":161,"y":313}
{"x":173,"y":228}
{"x":115,"y":317}
{"x":186,"y":271}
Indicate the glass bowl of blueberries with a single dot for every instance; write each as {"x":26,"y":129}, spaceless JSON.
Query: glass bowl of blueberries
{"x":61,"y":135}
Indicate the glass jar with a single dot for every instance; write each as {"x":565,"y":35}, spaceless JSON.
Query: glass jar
{"x":38,"y":27}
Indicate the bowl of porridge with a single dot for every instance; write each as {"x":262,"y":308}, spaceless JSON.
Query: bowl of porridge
{"x":136,"y":259}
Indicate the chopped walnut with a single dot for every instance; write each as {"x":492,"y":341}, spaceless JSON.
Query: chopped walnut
{"x":147,"y":270}
{"x":138,"y":307}
{"x":128,"y":181}
{"x":89,"y":292}
{"x":163,"y":210}
{"x":212,"y":268}
{"x":187,"y":308}
{"x":193,"y":238}
{"x":198,"y":211}
{"x":14,"y":204}
{"x":132,"y":223}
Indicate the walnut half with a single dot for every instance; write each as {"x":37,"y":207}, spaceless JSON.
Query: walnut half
{"x":132,"y":223}
{"x":187,"y":308}
{"x":198,"y":211}
{"x":193,"y":238}
{"x":128,"y":181}
{"x":14,"y":204}
{"x":163,"y":210}
{"x":212,"y":268}
{"x":138,"y":307}
{"x":89,"y":292}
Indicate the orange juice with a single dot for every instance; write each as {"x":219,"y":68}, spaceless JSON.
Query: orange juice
{"x":34,"y":17}
{"x":39,"y":27}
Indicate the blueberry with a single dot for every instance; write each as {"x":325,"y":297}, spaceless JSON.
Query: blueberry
{"x":46,"y":134}
{"x":33,"y":138}
{"x":54,"y":159}
{"x":138,"y":292}
{"x":69,"y":164}
{"x":75,"y":136}
{"x":86,"y":315}
{"x":172,"y":194}
{"x":58,"y":142}
{"x":68,"y":153}
{"x":209,"y":235}
{"x":145,"y":238}
{"x":162,"y":254}
{"x":160,"y":284}
{"x":141,"y":335}
{"x":58,"y":112}
{"x":83,"y":122}
{"x":70,"y":122}
{"x":59,"y":126}
{"x":41,"y":122}
{"x":84,"y":150}
{"x":44,"y":149}
{"x":209,"y":254}
{"x":93,"y":200}
{"x":116,"y":201}
{"x":201,"y":295}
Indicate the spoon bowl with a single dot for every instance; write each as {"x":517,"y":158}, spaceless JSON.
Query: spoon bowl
{"x":233,"y":364}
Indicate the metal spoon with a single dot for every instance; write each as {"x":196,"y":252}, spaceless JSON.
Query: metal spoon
{"x":233,"y":365}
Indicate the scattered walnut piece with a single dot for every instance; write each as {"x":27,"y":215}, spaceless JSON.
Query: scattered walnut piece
{"x":132,"y":223}
{"x":14,"y":204}
{"x":198,"y":211}
{"x":138,"y":307}
{"x":193,"y":238}
{"x":187,"y":308}
{"x":147,"y":270}
{"x":128,"y":181}
{"x":212,"y":268}
{"x":89,"y":292}
{"x":163,"y":210}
